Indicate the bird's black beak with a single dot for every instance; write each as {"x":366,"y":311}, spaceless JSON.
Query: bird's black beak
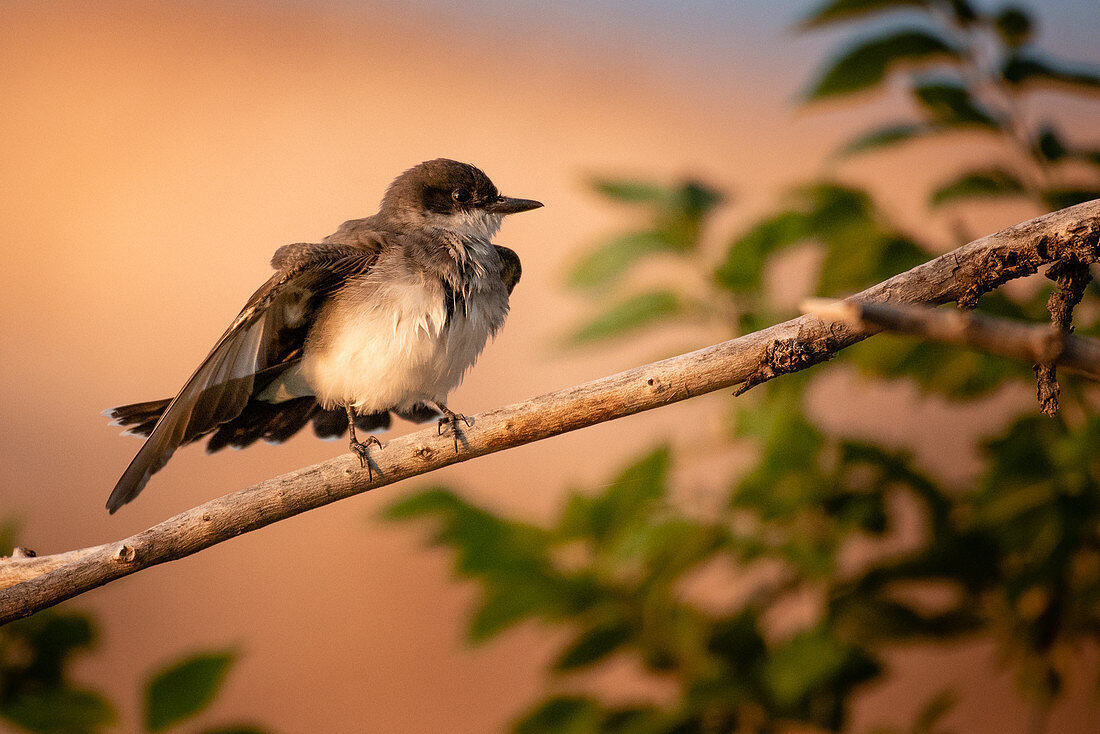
{"x":508,"y":205}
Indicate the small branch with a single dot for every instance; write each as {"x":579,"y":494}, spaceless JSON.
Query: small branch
{"x":1032,"y":343}
{"x":964,"y":275}
{"x":1072,"y":276}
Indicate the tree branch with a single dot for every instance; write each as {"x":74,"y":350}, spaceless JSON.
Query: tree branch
{"x":1038,"y":344}
{"x":28,"y":585}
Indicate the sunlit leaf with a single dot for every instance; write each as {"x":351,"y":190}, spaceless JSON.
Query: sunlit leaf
{"x":989,"y":183}
{"x":814,"y":660}
{"x":885,"y":137}
{"x":185,"y":688}
{"x":866,"y":64}
{"x":950,"y":103}
{"x":1013,"y":25}
{"x":629,"y":315}
{"x":605,"y":264}
{"x":833,"y":11}
{"x":1021,"y":69}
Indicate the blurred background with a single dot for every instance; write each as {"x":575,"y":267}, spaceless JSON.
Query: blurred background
{"x":156,"y":154}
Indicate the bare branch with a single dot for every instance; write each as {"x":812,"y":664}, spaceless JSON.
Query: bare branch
{"x":963,"y":275}
{"x":1040,"y":344}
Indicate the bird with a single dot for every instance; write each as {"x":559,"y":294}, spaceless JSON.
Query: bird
{"x":384,"y":316}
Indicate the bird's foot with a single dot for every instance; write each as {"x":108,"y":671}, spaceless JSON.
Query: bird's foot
{"x":361,"y":450}
{"x":451,"y":419}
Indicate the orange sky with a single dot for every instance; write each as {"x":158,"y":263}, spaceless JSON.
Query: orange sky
{"x":155,"y":155}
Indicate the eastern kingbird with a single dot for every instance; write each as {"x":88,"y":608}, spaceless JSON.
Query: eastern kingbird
{"x":386,"y":315}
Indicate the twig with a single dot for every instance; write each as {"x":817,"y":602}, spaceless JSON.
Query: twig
{"x":1072,"y":276}
{"x":1041,"y":344}
{"x":28,"y":585}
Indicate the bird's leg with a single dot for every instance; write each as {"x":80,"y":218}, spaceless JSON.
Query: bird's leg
{"x":360,"y":449}
{"x":450,"y":418}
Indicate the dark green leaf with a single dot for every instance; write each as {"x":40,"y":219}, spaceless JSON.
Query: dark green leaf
{"x":833,"y":11}
{"x":185,"y":688}
{"x":1050,"y":146}
{"x":606,"y":263}
{"x":1061,"y":198}
{"x":885,"y":137}
{"x":1021,"y":69}
{"x":629,"y":315}
{"x":993,"y":182}
{"x":747,"y":255}
{"x":59,"y":710}
{"x":950,"y":103}
{"x":593,"y":645}
{"x":562,"y":715}
{"x":1013,"y":24}
{"x":9,"y":531}
{"x":630,"y":191}
{"x":866,"y":64}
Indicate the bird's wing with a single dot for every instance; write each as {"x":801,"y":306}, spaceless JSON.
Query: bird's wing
{"x":269,"y":332}
{"x":510,"y":270}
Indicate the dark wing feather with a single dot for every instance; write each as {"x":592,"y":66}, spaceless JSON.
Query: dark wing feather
{"x":510,"y":270}
{"x":268,"y":332}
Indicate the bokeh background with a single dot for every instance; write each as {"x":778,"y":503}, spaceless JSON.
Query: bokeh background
{"x":155,"y":155}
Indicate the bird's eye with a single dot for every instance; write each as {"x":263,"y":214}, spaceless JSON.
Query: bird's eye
{"x":460,"y":195}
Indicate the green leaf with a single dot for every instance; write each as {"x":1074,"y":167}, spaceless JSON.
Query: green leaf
{"x":630,"y":190}
{"x":185,"y":688}
{"x":844,"y":10}
{"x":562,"y":715}
{"x":626,"y":500}
{"x":593,"y":645}
{"x":884,"y":137}
{"x":1061,"y":198}
{"x":1050,"y":146}
{"x":950,"y":103}
{"x":814,"y":661}
{"x":993,"y":182}
{"x":1021,"y":69}
{"x":605,"y":264}
{"x":863,"y":259}
{"x":747,"y":255}
{"x":866,"y":64}
{"x":60,"y":710}
{"x":1014,"y":26}
{"x":629,"y":315}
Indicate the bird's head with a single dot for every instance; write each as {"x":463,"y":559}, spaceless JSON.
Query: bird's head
{"x":449,"y":195}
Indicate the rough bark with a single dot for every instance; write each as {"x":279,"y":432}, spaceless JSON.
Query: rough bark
{"x":28,"y":585}
{"x":1038,"y":344}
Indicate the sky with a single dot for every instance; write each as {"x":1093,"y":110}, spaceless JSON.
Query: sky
{"x":156,"y":154}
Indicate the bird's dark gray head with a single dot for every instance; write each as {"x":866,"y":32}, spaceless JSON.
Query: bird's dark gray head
{"x":450,"y":195}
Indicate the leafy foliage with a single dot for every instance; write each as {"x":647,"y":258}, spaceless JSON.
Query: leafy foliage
{"x":1014,"y":555}
{"x":37,"y":694}
{"x":184,"y":688}
{"x":867,"y":64}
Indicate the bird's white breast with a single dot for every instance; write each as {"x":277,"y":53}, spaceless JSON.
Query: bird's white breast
{"x":385,"y":341}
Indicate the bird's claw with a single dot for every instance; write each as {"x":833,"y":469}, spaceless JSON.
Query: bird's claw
{"x":451,"y":419}
{"x":362,"y":451}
